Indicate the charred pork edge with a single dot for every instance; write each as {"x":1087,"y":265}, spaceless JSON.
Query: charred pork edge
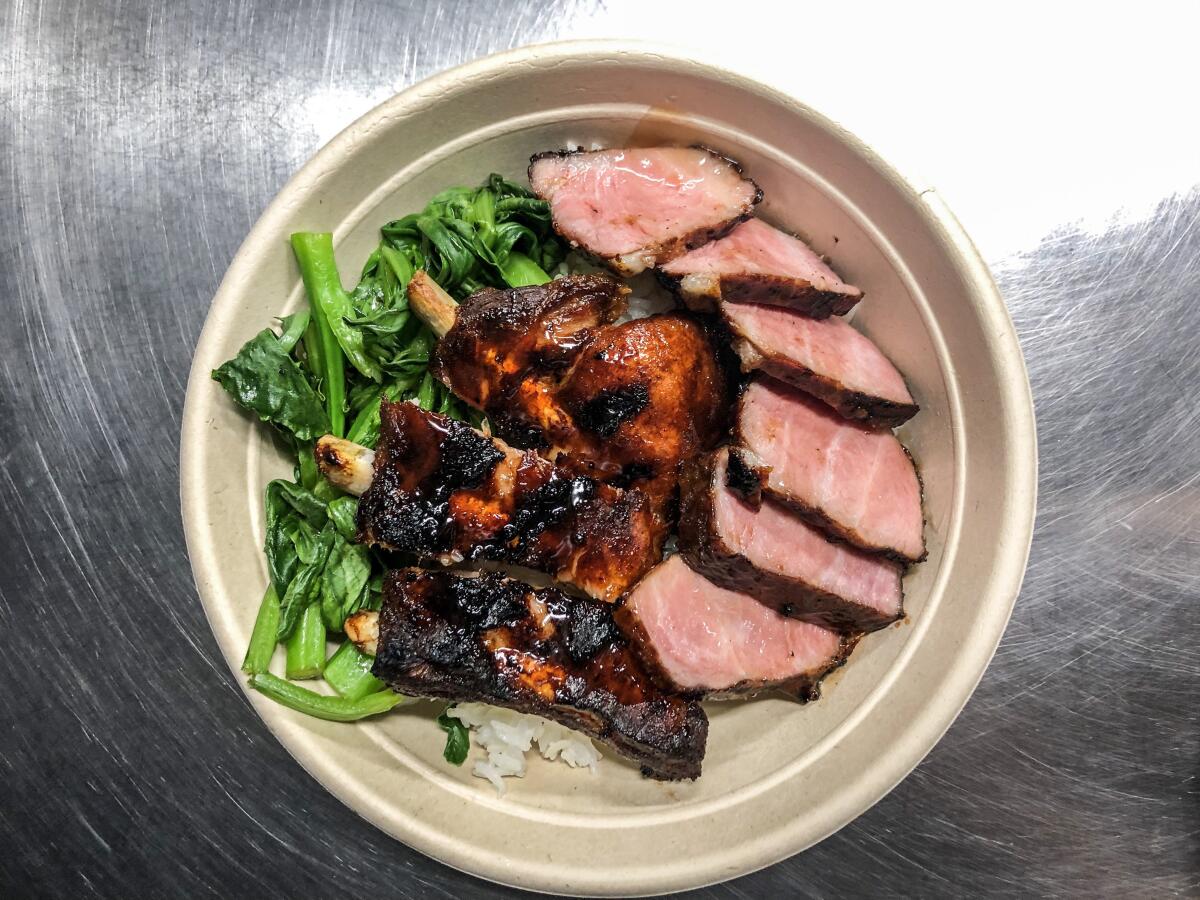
{"x":432,"y":305}
{"x":345,"y":464}
{"x":853,"y":405}
{"x":702,"y":291}
{"x":650,"y":257}
{"x":733,"y":571}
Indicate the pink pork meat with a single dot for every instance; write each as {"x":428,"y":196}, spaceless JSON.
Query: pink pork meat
{"x":857,"y":483}
{"x":703,"y":639}
{"x":826,"y":358}
{"x":635,"y":209}
{"x":745,"y":542}
{"x":756,"y":263}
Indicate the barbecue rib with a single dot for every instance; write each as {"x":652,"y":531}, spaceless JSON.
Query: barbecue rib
{"x":745,"y":542}
{"x":626,"y":404}
{"x":704,"y":639}
{"x":491,"y":639}
{"x":634,"y":209}
{"x":756,"y":263}
{"x":441,"y":490}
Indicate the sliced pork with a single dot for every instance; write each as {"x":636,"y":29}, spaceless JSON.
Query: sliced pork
{"x":626,"y":404}
{"x":858,"y":483}
{"x":494,"y":640}
{"x":637,"y":208}
{"x":744,"y":542}
{"x":826,"y":358}
{"x":441,"y":490}
{"x":705,"y":639}
{"x":756,"y":263}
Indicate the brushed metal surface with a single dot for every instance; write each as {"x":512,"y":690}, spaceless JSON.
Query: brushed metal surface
{"x":141,"y":140}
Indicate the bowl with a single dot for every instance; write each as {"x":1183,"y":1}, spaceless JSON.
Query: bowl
{"x":778,"y":776}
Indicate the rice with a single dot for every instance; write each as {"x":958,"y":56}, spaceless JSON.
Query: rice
{"x":507,"y":736}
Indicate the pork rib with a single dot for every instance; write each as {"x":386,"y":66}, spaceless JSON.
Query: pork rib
{"x":626,"y":404}
{"x":491,"y":639}
{"x":756,"y":263}
{"x":750,"y":543}
{"x":443,"y":491}
{"x":857,"y":483}
{"x":826,"y":358}
{"x":637,"y":208}
{"x":704,"y":639}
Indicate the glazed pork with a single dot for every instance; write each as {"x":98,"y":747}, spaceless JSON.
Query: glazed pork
{"x":743,"y":541}
{"x":494,"y":640}
{"x":756,"y":263}
{"x":441,"y":490}
{"x":634,"y":209}
{"x":857,"y":483}
{"x":703,"y":639}
{"x":625,"y":404}
{"x":826,"y":358}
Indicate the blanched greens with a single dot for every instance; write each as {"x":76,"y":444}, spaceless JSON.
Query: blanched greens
{"x":327,"y":373}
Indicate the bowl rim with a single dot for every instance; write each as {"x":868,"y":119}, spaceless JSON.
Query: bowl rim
{"x":1000,"y":335}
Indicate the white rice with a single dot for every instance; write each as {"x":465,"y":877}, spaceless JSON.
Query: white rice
{"x":507,"y":736}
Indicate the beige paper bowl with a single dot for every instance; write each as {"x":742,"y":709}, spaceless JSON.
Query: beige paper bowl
{"x":778,"y":776}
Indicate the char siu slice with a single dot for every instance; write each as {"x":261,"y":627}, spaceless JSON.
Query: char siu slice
{"x":855,"y":482}
{"x":637,"y":208}
{"x":756,"y":263}
{"x":705,"y":639}
{"x":826,"y":358}
{"x":443,"y":491}
{"x":494,"y":640}
{"x":745,"y":542}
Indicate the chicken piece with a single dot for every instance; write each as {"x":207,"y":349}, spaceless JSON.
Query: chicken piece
{"x":627,"y":404}
{"x":857,"y":483}
{"x":704,"y":639}
{"x":756,"y":263}
{"x":487,"y":638}
{"x":745,"y":542}
{"x":635,"y":209}
{"x":443,"y":491}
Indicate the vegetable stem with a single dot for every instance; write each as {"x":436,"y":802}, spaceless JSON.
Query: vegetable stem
{"x":518,"y":270}
{"x":262,"y":639}
{"x":306,"y":645}
{"x":314,"y":253}
{"x":349,"y":673}
{"x":335,"y":709}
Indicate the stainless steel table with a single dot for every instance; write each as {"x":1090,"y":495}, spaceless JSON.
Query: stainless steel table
{"x":141,"y":140}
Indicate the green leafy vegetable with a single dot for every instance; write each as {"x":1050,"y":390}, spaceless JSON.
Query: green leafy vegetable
{"x":327,"y":373}
{"x":262,"y":639}
{"x":344,"y":581}
{"x":265,"y":379}
{"x":314,"y":254}
{"x":349,"y":673}
{"x":306,"y":645}
{"x":335,"y":709}
{"x":458,"y":738}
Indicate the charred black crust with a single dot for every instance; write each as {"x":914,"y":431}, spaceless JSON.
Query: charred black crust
{"x":603,"y":414}
{"x":792,"y":293}
{"x":444,"y":635}
{"x":704,"y":550}
{"x":743,"y":478}
{"x":436,"y":492}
